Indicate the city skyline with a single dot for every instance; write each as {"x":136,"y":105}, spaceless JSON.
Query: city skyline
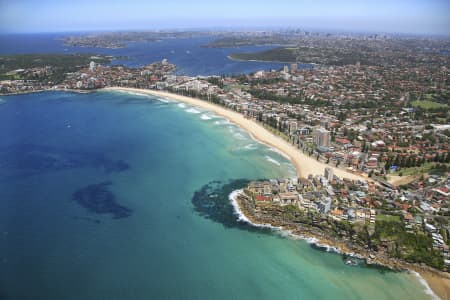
{"x":410,"y":17}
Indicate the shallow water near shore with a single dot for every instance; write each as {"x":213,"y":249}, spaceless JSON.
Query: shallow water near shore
{"x":96,"y":203}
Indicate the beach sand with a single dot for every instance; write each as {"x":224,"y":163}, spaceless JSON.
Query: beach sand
{"x":440,"y":284}
{"x":304,"y":164}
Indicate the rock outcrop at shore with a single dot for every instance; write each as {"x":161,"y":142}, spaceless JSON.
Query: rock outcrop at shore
{"x":247,"y":210}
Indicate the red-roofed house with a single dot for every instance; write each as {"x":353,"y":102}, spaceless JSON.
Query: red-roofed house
{"x":261,"y":198}
{"x":342,"y":141}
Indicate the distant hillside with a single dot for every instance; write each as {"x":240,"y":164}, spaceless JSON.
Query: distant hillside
{"x":324,"y":56}
{"x":230,"y":42}
{"x":277,"y":54}
{"x":59,"y":64}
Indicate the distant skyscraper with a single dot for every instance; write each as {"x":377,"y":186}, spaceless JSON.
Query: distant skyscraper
{"x":322,"y":137}
{"x":285,"y":69}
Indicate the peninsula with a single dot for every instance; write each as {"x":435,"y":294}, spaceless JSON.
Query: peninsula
{"x":114,"y":40}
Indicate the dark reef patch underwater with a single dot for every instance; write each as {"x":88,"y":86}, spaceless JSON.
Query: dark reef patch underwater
{"x":212,"y":202}
{"x":98,"y":199}
{"x":33,"y":159}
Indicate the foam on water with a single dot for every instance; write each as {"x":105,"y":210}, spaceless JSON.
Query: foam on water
{"x":279,"y":152}
{"x":239,"y":136}
{"x":192,"y":111}
{"x":205,"y":117}
{"x":135,"y":93}
{"x":270,"y":147}
{"x":181,"y":105}
{"x":222,"y":122}
{"x":251,"y":147}
{"x":164,"y":100}
{"x":427,"y":288}
{"x":240,"y":215}
{"x":272,"y":160}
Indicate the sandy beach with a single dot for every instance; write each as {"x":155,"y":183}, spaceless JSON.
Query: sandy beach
{"x":303,"y":163}
{"x":439,"y":282}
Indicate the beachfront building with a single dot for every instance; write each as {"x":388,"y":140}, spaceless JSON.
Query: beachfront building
{"x":260,"y":188}
{"x":329,"y":174}
{"x":324,"y":205}
{"x":288,"y":198}
{"x":92,"y":66}
{"x":293,"y":126}
{"x":322,"y":137}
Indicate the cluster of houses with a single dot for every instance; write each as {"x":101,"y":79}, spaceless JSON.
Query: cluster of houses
{"x":98,"y":76}
{"x":326,"y":124}
{"x":363,"y":201}
{"x":316,"y":194}
{"x":357,"y":139}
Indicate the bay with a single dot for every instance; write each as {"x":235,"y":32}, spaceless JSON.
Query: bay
{"x":148,"y":156}
{"x":188,"y":54}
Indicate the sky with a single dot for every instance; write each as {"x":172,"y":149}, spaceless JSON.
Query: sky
{"x":401,"y":16}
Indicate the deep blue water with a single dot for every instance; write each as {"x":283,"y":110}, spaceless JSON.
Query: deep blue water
{"x":190,"y":58}
{"x":142,"y":160}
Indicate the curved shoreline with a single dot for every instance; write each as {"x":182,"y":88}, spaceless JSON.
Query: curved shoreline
{"x":439,"y":285}
{"x":304,"y":164}
{"x":434,"y":285}
{"x":262,"y":61}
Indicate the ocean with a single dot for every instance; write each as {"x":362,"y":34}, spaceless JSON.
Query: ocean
{"x":188,"y":54}
{"x":96,"y":202}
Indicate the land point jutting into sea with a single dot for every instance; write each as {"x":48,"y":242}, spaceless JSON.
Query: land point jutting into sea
{"x":364,"y":119}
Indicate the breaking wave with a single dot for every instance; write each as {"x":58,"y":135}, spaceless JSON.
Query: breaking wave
{"x":205,"y":117}
{"x":192,"y":111}
{"x":272,"y":160}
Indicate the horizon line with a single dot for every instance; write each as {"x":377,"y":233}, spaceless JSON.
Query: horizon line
{"x":236,"y":29}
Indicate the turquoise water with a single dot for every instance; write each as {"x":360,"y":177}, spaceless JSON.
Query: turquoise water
{"x":155,"y":156}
